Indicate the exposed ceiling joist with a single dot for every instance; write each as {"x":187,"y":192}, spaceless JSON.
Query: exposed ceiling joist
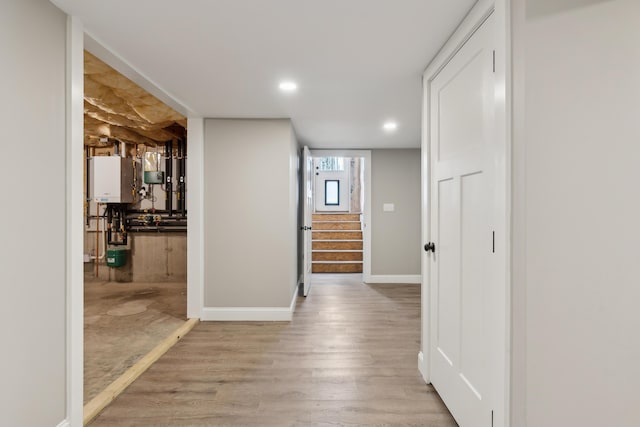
{"x":118,"y":108}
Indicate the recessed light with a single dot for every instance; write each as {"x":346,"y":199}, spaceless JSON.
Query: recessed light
{"x":288,"y":86}
{"x":390,"y":126}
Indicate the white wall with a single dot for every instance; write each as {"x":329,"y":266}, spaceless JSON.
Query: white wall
{"x":251,"y":217}
{"x":395,"y":236}
{"x":576,"y":213}
{"x":33,"y":214}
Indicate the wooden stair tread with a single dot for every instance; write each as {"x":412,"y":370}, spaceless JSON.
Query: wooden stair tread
{"x":336,"y":240}
{"x":315,"y":221}
{"x":337,"y":250}
{"x":338,"y":262}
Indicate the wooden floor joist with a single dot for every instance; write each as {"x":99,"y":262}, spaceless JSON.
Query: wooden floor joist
{"x":98,"y":403}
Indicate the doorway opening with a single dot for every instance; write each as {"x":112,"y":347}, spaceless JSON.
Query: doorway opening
{"x":337,"y":220}
{"x":135,"y":229}
{"x":336,"y":236}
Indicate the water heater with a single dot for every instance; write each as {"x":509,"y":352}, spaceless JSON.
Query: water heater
{"x":110,"y":179}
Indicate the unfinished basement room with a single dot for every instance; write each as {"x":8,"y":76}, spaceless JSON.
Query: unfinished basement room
{"x":135,"y":221}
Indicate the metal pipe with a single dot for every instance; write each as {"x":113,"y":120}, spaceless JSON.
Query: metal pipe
{"x":87,"y":185}
{"x":168,"y":169}
{"x":180,"y":177}
{"x":97,"y":236}
{"x":183,"y":182}
{"x":109,"y":222}
{"x":104,"y":241}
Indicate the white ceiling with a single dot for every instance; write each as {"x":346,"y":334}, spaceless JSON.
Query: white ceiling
{"x":357,"y":62}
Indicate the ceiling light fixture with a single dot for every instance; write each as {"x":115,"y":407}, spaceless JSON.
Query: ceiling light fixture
{"x":288,"y":86}
{"x":390,"y":126}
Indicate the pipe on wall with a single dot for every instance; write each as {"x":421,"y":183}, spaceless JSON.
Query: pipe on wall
{"x":168,"y":170}
{"x":181,"y":174}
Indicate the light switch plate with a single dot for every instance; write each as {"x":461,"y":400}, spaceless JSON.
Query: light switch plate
{"x":388,"y":207}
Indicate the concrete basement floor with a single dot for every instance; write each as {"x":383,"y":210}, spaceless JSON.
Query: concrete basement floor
{"x":122,"y":323}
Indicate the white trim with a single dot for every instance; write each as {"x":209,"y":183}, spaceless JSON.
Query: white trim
{"x":366,"y":215}
{"x":474,"y":19}
{"x":74,"y":221}
{"x":64,"y":423}
{"x":195,"y":208}
{"x":246,"y":314}
{"x":518,"y":239}
{"x":424,"y":356}
{"x":503,"y":133}
{"x":251,"y":314}
{"x":400,"y":279}
{"x":478,"y":14}
{"x":423,"y":368}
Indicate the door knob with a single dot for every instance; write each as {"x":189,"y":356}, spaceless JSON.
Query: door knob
{"x":430,"y":247}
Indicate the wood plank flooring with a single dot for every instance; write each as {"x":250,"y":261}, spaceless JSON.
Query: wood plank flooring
{"x":348,"y":358}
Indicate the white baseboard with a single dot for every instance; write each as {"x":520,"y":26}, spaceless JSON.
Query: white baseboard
{"x":64,"y":423}
{"x":399,"y":279}
{"x":422,"y":367}
{"x":251,"y":314}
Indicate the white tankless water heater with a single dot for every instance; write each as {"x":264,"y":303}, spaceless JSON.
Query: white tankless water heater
{"x":110,"y":179}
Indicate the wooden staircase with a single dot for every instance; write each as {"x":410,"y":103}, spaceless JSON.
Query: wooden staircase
{"x":336,"y":243}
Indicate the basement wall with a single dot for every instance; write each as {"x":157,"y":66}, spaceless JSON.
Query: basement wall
{"x":395,"y":236}
{"x":576,"y":213}
{"x":32,"y":253}
{"x":250,"y":214}
{"x":153,"y":257}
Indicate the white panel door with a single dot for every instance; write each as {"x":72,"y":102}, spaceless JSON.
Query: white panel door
{"x":461,"y":122}
{"x":307,"y":173}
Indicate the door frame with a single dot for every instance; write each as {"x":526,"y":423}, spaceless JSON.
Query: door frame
{"x":306,"y":201}
{"x":474,"y":19}
{"x":76,"y":42}
{"x":366,"y":214}
{"x":75,"y":230}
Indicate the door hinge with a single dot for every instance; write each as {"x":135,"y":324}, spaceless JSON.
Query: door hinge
{"x":494,"y":61}
{"x":491,"y":418}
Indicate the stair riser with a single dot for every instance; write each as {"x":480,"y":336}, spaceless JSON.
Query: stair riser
{"x":337,"y":256}
{"x":337,"y":268}
{"x":335,"y":217}
{"x":336,"y":226}
{"x":338,"y":246}
{"x":336,"y":235}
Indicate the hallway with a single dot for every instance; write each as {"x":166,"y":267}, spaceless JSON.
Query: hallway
{"x":347,"y":358}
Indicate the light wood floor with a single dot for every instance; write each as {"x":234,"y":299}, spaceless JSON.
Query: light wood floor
{"x":348,"y":358}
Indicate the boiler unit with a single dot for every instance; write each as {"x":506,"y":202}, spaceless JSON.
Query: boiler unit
{"x":111,"y":179}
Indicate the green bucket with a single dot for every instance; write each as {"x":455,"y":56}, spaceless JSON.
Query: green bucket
{"x":116,"y":257}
